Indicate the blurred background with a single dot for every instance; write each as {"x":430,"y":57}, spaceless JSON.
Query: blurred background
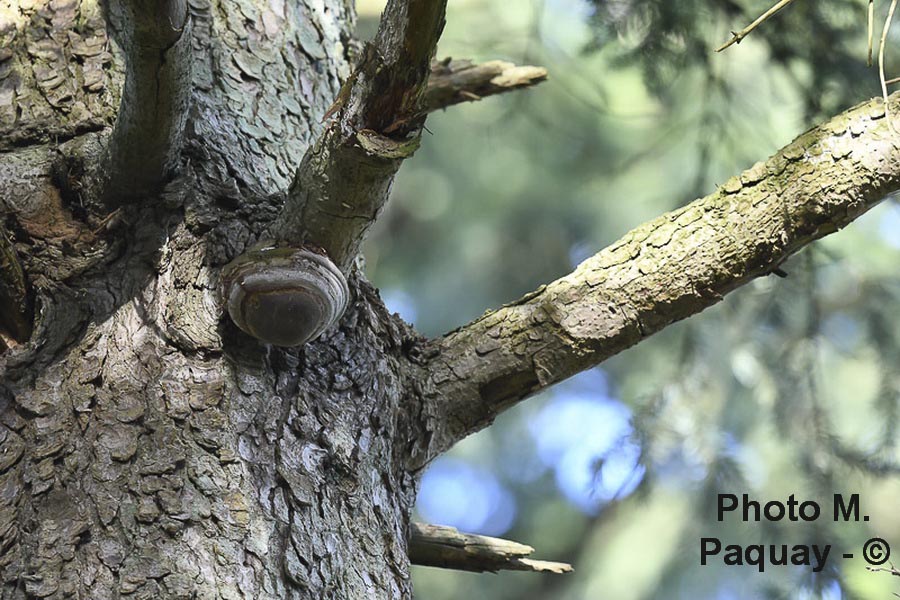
{"x":788,"y":386}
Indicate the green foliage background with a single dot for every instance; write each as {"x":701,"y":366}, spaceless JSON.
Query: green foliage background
{"x":788,"y":386}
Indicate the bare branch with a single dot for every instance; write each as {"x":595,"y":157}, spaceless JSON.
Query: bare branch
{"x":884,"y":33}
{"x":737,"y":36}
{"x":891,"y":569}
{"x":445,"y":547}
{"x":146,"y":141}
{"x":662,"y":271}
{"x":345,"y":178}
{"x":870,"y":28}
{"x":455,"y":81}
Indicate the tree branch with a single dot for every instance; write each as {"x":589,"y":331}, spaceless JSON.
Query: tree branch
{"x":445,"y":547}
{"x":737,"y":36}
{"x":146,"y":141}
{"x":662,"y":271}
{"x":455,"y":81}
{"x":344,"y":179}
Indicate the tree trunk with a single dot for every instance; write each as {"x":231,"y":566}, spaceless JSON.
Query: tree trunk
{"x":148,"y":449}
{"x":151,"y":449}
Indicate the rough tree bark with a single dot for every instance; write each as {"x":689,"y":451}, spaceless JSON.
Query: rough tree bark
{"x":149,"y":449}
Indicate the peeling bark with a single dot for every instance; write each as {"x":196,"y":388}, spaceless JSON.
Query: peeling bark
{"x":16,"y":311}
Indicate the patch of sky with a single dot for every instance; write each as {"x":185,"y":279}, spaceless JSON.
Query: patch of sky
{"x":456,"y":493}
{"x":585,"y":435}
{"x":398,"y":301}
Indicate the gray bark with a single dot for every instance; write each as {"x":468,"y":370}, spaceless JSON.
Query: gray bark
{"x":148,"y":448}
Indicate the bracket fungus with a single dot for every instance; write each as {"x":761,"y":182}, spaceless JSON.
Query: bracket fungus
{"x":284,"y":296}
